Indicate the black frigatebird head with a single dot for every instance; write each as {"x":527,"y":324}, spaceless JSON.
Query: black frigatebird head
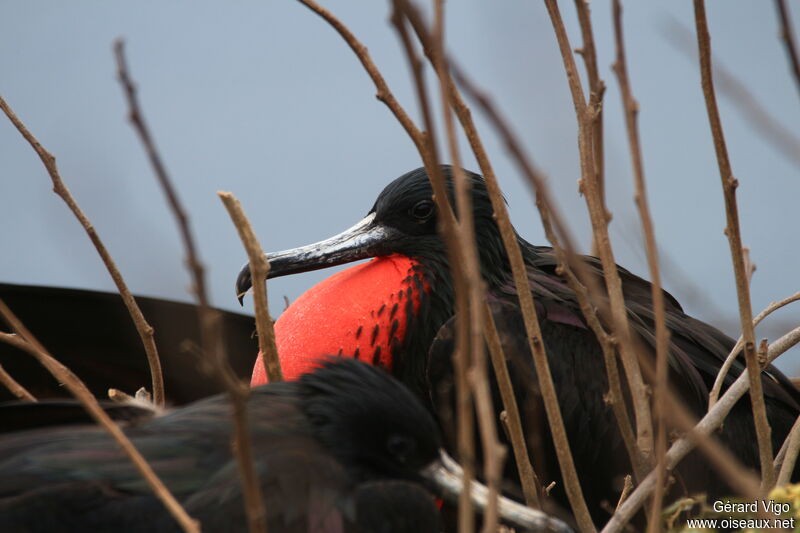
{"x":371,"y":423}
{"x":403,"y":221}
{"x":339,"y":450}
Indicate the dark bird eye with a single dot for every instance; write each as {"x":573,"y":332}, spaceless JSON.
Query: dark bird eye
{"x":401,"y":447}
{"x":422,"y":210}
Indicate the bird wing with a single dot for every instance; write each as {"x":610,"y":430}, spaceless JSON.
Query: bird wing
{"x":22,"y":416}
{"x":697,"y":349}
{"x":79,"y":468}
{"x":580,"y":380}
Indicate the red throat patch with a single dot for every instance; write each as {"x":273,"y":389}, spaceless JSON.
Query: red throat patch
{"x":360,"y":312}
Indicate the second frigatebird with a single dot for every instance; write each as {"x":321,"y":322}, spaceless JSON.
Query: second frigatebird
{"x":388,"y":312}
{"x":344,"y":448}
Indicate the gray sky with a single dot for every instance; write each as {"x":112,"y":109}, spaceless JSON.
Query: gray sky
{"x":263,"y":99}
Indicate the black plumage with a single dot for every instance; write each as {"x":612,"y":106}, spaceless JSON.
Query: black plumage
{"x":339,"y":450}
{"x":92,"y":333}
{"x":403,"y":221}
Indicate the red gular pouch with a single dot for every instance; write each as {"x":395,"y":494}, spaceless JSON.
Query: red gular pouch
{"x":360,"y":312}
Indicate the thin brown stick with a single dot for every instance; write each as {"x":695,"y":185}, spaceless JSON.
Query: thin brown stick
{"x":788,"y":38}
{"x":723,"y":371}
{"x":731,"y":471}
{"x":730,"y":468}
{"x":493,"y":452}
{"x":599,"y":217}
{"x":116,"y":395}
{"x":568,"y":261}
{"x":631,"y":109}
{"x":481,"y":318}
{"x":710,"y":422}
{"x":627,"y":485}
{"x":144,"y":329}
{"x":534,"y":334}
{"x":528,"y":479}
{"x":785,"y":463}
{"x":209,"y":318}
{"x":259,"y":268}
{"x":596,"y":90}
{"x":455,"y":252}
{"x":425,"y":144}
{"x":24,"y":340}
{"x":15,"y":387}
{"x":729,"y":184}
{"x":509,"y":238}
{"x":383,"y":93}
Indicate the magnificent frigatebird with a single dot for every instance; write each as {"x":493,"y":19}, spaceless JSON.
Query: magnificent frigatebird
{"x":388,"y":311}
{"x":344,"y":448}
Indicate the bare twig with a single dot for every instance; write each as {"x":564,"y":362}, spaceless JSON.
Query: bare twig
{"x":24,"y":340}
{"x":631,"y":108}
{"x":729,"y":184}
{"x":528,"y":479}
{"x":15,"y":387}
{"x":723,"y":371}
{"x":494,"y":453}
{"x":568,"y":261}
{"x":478,"y":311}
{"x":596,"y":91}
{"x":383,"y":94}
{"x":209,"y":318}
{"x":425,"y":145}
{"x":519,"y":273}
{"x":481,"y":316}
{"x":599,"y":217}
{"x":707,"y":425}
{"x":626,"y":489}
{"x":787,"y":457}
{"x":144,"y":329}
{"x":788,"y":38}
{"x":259,"y":268}
{"x":456,"y":256}
{"x":116,"y":395}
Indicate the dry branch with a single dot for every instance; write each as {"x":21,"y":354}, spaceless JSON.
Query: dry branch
{"x":427,"y":152}
{"x":599,"y":217}
{"x":528,"y":478}
{"x":723,"y":371}
{"x":631,"y":108}
{"x":570,"y":263}
{"x":596,"y":91}
{"x":480,"y":316}
{"x":787,"y":457}
{"x":209,"y":318}
{"x":729,"y":184}
{"x":710,"y":422}
{"x":788,"y":38}
{"x":452,"y":236}
{"x":383,"y":94}
{"x":144,"y":329}
{"x":494,"y":452}
{"x":259,"y":268}
{"x":25,"y":341}
{"x":15,"y":387}
{"x":511,"y":245}
{"x":541,"y":190}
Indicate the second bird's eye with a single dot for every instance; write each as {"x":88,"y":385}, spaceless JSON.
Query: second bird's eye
{"x":401,"y":447}
{"x":422,"y":210}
